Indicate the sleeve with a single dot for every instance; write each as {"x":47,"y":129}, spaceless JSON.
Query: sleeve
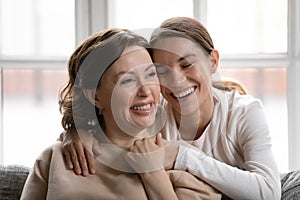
{"x":259,"y":176}
{"x":187,"y":186}
{"x":36,"y":185}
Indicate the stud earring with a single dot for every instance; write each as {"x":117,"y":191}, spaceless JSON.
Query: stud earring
{"x":92,"y":122}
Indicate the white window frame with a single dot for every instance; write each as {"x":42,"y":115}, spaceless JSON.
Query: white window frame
{"x":293,"y":94}
{"x":92,"y":16}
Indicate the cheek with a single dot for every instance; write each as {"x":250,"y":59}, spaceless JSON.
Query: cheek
{"x":120,"y":97}
{"x":156,"y":92}
{"x":202,"y":74}
{"x":164,"y":91}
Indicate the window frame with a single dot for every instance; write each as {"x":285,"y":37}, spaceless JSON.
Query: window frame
{"x":92,"y":16}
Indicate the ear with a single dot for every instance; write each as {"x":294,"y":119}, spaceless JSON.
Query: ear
{"x":91,"y":95}
{"x":214,"y":57}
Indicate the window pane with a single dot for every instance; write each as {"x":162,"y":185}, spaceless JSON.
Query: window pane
{"x":248,"y":26}
{"x":31,"y":118}
{"x":269,"y":85}
{"x":136,"y":14}
{"x":37,"y":27}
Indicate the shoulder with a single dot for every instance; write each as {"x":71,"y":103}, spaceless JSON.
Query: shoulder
{"x":242,"y":113}
{"x":236,"y":103}
{"x":246,"y":116}
{"x":49,"y":152}
{"x":50,"y":156}
{"x":52,"y":148}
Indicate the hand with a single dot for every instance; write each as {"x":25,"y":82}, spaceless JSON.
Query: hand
{"x":147,"y":145}
{"x":77,"y":151}
{"x":146,"y":155}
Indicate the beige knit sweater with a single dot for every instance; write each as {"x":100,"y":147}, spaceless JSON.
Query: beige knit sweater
{"x":50,"y":179}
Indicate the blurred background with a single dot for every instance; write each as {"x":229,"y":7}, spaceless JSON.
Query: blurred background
{"x":256,"y":39}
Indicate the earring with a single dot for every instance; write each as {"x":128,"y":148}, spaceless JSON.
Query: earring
{"x":92,"y":122}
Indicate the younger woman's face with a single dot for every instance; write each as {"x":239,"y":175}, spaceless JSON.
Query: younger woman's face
{"x":184,"y":70}
{"x":129,"y":91}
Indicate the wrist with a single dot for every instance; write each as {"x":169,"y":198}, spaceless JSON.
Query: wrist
{"x":153,"y":174}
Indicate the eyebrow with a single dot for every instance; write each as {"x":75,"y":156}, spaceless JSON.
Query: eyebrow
{"x":130,"y":72}
{"x":185,"y":57}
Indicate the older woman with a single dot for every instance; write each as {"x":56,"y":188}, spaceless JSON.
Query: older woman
{"x":113,"y":91}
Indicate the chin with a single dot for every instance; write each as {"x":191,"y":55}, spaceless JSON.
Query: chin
{"x":144,"y":124}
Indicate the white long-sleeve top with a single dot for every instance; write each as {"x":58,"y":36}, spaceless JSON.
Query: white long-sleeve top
{"x":234,"y":153}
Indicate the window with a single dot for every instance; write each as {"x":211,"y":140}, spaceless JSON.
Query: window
{"x":37,"y":28}
{"x":136,"y":14}
{"x":31,"y":120}
{"x":36,"y":38}
{"x":249,"y":26}
{"x":143,"y":17}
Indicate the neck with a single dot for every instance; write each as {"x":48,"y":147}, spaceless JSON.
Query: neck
{"x":192,"y":126}
{"x":122,"y":139}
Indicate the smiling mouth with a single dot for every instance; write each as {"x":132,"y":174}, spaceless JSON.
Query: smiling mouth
{"x":142,"y":107}
{"x":184,"y":94}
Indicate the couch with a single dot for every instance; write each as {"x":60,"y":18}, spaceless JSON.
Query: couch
{"x":13,"y":177}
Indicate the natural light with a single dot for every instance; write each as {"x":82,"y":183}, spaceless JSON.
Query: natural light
{"x":30,"y":105}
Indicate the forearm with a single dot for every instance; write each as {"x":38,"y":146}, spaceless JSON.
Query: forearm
{"x":158,"y":185}
{"x":260,"y":182}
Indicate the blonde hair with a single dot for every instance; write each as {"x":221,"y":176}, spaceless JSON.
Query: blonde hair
{"x":229,"y":85}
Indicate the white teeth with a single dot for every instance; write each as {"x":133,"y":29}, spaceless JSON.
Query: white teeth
{"x":185,"y":93}
{"x":144,"y":107}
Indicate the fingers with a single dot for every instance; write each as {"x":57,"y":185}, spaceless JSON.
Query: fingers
{"x":75,"y":158}
{"x":78,"y":152}
{"x":80,"y":161}
{"x":68,"y":158}
{"x":71,"y":158}
{"x":90,"y":160}
{"x":96,"y":148}
{"x":147,"y":145}
{"x":159,"y":140}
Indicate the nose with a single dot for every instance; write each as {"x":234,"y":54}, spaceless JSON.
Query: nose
{"x":177,"y":76}
{"x":143,"y":90}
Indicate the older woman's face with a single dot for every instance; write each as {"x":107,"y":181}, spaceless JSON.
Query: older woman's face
{"x":129,"y":91}
{"x":184,"y":71}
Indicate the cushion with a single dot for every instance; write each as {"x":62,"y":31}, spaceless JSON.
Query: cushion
{"x":290,"y":185}
{"x":12,"y":179}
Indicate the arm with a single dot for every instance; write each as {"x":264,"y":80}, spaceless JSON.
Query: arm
{"x":77,"y":151}
{"x":158,"y":185}
{"x":254,"y":175}
{"x":156,"y":182}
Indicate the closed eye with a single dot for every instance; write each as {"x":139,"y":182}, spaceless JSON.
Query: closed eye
{"x":162,"y":70}
{"x":186,"y":65}
{"x":151,"y":74}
